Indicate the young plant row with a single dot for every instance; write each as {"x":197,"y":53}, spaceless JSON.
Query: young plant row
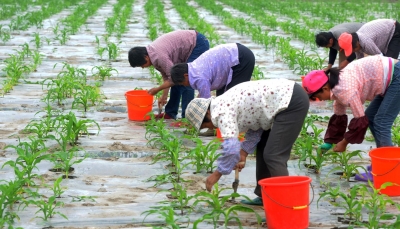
{"x":298,"y":60}
{"x":156,"y":19}
{"x":180,"y":204}
{"x":364,"y":206}
{"x":72,"y":23}
{"x":53,"y":126}
{"x":118,"y":21}
{"x":72,"y":82}
{"x":16,"y":66}
{"x":35,"y":18}
{"x":192,"y":18}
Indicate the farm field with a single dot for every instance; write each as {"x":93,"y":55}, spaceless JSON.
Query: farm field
{"x":71,"y":158}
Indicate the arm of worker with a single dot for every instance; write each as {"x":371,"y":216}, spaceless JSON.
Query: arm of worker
{"x":248,"y":146}
{"x":163,"y":65}
{"x":229,"y":158}
{"x":337,"y":124}
{"x":349,"y":59}
{"x":204,"y":88}
{"x":332,"y":57}
{"x":358,"y":125}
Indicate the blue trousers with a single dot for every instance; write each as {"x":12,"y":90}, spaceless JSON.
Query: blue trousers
{"x":187,"y":93}
{"x":383,"y":110}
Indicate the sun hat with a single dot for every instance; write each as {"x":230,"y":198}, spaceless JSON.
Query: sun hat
{"x":196,"y":110}
{"x":346,"y":43}
{"x":314,"y":80}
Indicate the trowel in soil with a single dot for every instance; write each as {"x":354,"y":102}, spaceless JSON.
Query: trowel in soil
{"x":235,"y":184}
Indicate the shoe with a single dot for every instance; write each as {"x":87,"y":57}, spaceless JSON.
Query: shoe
{"x":208,"y":133}
{"x":369,"y":168}
{"x":364,"y":177}
{"x":256,"y":201}
{"x":163,"y":115}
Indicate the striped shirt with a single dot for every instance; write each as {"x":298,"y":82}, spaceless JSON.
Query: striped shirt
{"x":362,"y":80}
{"x":374,"y":37}
{"x":213,"y":69}
{"x":249,"y":106}
{"x":170,"y":49}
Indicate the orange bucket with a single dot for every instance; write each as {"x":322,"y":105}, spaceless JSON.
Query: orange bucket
{"x":386,"y":168}
{"x":286,"y":201}
{"x":139,"y":103}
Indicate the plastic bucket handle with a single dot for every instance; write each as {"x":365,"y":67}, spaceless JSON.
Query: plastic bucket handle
{"x":387,"y":171}
{"x":139,"y":105}
{"x":294,"y":207}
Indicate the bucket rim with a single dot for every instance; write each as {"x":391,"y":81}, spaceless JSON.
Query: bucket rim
{"x":126,"y":93}
{"x":372,"y":153}
{"x":266,"y":181}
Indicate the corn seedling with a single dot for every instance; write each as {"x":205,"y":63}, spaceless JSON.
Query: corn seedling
{"x":178,"y":197}
{"x":217,"y":205}
{"x":57,"y":189}
{"x":29,"y":155}
{"x":257,"y":73}
{"x":73,"y":128}
{"x":37,"y":40}
{"x":83,"y":198}
{"x":37,"y":59}
{"x":48,"y":207}
{"x":167,"y":214}
{"x":349,"y":169}
{"x":10,"y":194}
{"x":102,"y":73}
{"x":375,"y":204}
{"x":113,"y":50}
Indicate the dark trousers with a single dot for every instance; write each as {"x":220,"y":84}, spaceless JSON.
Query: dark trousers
{"x":243,"y":71}
{"x":186,"y":92}
{"x":394,"y":44}
{"x":273,"y":150}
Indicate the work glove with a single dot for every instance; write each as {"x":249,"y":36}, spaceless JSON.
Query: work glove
{"x":325,"y":147}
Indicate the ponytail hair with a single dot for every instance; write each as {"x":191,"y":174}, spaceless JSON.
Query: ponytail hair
{"x":333,"y":76}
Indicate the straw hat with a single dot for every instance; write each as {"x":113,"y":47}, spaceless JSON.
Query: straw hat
{"x":196,"y":111}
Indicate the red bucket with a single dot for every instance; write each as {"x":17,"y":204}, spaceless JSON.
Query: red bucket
{"x":286,"y":201}
{"x":139,"y":103}
{"x":386,"y":168}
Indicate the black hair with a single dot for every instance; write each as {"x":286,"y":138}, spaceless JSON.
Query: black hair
{"x":206,"y":119}
{"x":177,"y":72}
{"x":333,"y":80}
{"x":322,"y":38}
{"x":136,"y":56}
{"x":354,"y":40}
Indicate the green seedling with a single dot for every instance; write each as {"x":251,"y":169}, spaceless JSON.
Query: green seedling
{"x":11,"y":193}
{"x":37,"y":40}
{"x":57,"y":189}
{"x":332,"y":193}
{"x":26,"y":51}
{"x":100,"y":51}
{"x":257,"y":73}
{"x":64,"y":160}
{"x":83,"y":198}
{"x":349,"y":169}
{"x":113,"y":50}
{"x":27,"y":159}
{"x":179,"y":198}
{"x":103,"y":72}
{"x":86,"y":96}
{"x":217,"y":205}
{"x":375,"y":204}
{"x":162,"y":179}
{"x":48,"y":208}
{"x":73,"y":128}
{"x":37,"y":59}
{"x":167,"y":214}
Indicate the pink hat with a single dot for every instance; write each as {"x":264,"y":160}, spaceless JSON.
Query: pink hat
{"x":346,"y":43}
{"x":314,"y":81}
